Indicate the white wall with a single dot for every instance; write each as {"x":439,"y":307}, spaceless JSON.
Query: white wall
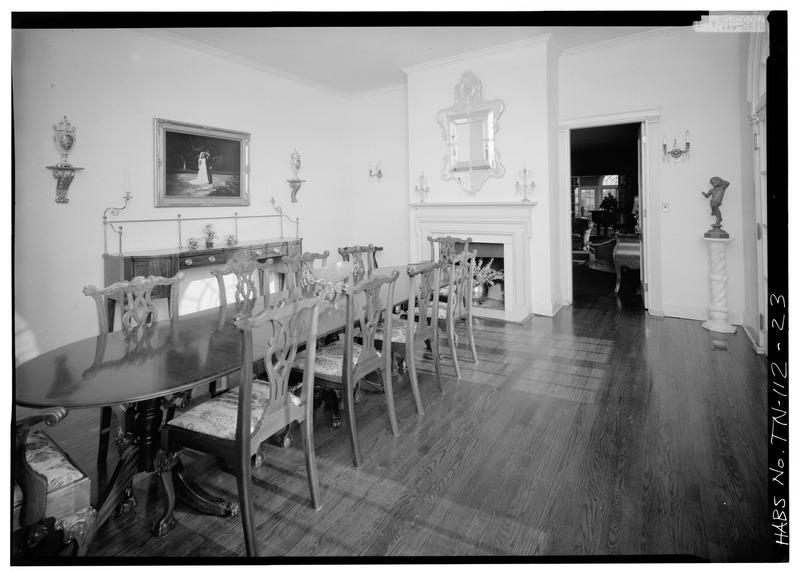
{"x":379,"y":211}
{"x":694,"y":79}
{"x":517,"y":74}
{"x":111,"y":84}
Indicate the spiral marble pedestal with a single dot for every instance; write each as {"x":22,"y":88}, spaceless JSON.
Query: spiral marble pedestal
{"x":718,"y":310}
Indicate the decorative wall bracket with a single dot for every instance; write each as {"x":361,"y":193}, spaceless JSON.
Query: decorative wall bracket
{"x":63,"y":172}
{"x":295,"y":182}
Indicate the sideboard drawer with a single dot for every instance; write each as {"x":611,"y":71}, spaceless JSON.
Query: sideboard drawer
{"x":200,"y":259}
{"x":271,"y":251}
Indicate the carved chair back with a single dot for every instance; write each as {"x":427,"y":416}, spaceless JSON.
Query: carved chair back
{"x":459,"y":296}
{"x":446,"y":247}
{"x":301,"y":267}
{"x":139,"y":308}
{"x":243,"y":271}
{"x":363,"y":257}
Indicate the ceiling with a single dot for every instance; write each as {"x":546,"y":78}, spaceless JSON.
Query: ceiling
{"x":355,"y":60}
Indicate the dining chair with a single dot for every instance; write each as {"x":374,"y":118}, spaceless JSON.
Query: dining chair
{"x":52,"y":512}
{"x":139,"y":311}
{"x":301,"y":268}
{"x":458,"y":307}
{"x":245,"y":290}
{"x":233,"y":425}
{"x":342,"y":365}
{"x":409,"y":335}
{"x":245,"y":287}
{"x":363,"y":257}
{"x":445,"y":247}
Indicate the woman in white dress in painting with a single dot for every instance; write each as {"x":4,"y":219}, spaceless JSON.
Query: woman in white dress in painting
{"x":202,"y":172}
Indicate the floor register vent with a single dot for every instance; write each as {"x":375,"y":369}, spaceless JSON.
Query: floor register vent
{"x":719,"y":345}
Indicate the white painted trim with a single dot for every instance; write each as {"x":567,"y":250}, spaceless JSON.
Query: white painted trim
{"x":616,"y":42}
{"x":486,"y":52}
{"x":650,"y":195}
{"x":504,"y":223}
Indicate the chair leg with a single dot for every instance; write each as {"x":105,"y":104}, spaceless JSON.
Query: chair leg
{"x":307,"y":430}
{"x":451,"y":340}
{"x":411,"y":362}
{"x":244,"y":484}
{"x":105,"y":435}
{"x":388,"y":393}
{"x":471,"y":337}
{"x":350,"y":407}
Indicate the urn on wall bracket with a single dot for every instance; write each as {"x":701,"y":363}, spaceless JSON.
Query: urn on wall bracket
{"x":295,"y":182}
{"x":63,"y":172}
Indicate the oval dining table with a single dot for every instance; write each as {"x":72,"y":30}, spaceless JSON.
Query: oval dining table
{"x":143,"y":370}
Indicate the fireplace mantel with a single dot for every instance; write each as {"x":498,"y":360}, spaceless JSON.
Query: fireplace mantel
{"x":508,"y":224}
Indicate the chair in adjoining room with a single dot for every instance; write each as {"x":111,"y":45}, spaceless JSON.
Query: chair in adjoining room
{"x":233,"y":425}
{"x":342,"y":365}
{"x":601,"y":255}
{"x":409,"y":335}
{"x":139,"y":311}
{"x":52,"y":513}
{"x":363,"y":257}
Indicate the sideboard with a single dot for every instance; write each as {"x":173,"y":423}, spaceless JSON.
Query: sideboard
{"x":168,"y":262}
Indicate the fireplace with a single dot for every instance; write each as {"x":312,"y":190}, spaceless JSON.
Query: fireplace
{"x":504,"y":226}
{"x":489,"y":256}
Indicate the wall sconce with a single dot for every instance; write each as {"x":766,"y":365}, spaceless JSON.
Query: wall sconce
{"x":63,"y":172}
{"x":675,"y":152}
{"x":525,"y":188}
{"x":421,"y":189}
{"x":295,"y":182}
{"x":375,"y":172}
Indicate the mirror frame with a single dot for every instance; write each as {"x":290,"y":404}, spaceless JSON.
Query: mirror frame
{"x":469,"y":107}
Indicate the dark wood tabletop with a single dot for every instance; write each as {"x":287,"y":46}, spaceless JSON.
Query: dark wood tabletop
{"x":171,"y":356}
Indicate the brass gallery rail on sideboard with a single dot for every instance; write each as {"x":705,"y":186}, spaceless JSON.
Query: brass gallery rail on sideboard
{"x":168,"y":262}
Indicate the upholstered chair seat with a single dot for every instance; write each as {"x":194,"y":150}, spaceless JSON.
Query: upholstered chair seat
{"x":51,"y":495}
{"x":217,"y":416}
{"x":329,"y":358}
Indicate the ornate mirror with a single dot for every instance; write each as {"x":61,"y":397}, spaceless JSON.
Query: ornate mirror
{"x":468,"y":128}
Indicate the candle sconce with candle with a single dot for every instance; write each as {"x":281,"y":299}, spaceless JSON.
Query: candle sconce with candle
{"x":524,"y":188}
{"x":676,"y":153}
{"x":421,"y":188}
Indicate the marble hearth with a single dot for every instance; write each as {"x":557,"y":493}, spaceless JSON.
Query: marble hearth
{"x":506,"y":224}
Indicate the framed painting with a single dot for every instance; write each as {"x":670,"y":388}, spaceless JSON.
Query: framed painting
{"x":200,"y":166}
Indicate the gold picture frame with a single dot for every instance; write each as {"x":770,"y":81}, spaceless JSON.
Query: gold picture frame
{"x":200,"y":166}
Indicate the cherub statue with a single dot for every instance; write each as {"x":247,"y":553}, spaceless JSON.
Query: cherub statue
{"x":716,"y":192}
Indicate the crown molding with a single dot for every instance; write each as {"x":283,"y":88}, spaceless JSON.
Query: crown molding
{"x":222,"y":54}
{"x":616,"y":42}
{"x":494,"y":50}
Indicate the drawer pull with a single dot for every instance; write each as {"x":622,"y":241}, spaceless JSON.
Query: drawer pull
{"x":188,"y":262}
{"x":211,"y":259}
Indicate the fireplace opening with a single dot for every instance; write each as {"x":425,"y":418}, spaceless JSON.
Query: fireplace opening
{"x":489,"y":263}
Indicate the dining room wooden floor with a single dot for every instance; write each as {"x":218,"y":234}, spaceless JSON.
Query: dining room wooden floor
{"x":602,"y":434}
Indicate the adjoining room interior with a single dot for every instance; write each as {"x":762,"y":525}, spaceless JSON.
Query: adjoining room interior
{"x":604,"y":198}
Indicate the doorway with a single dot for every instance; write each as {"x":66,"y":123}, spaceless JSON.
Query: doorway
{"x":605,"y":188}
